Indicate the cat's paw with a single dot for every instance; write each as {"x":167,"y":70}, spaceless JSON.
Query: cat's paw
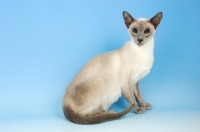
{"x":139,"y":110}
{"x":147,"y":106}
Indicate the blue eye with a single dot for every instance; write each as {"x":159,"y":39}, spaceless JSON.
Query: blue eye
{"x":134,"y":30}
{"x":147,"y":31}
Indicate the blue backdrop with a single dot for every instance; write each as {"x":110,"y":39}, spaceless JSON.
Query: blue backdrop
{"x":43,"y":44}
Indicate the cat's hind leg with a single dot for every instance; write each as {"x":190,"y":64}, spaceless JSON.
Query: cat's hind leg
{"x":89,"y":96}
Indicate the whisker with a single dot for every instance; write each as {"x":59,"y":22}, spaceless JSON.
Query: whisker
{"x":157,"y":44}
{"x":157,"y":40}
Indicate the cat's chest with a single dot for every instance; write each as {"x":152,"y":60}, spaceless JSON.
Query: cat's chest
{"x":136,"y":62}
{"x":141,"y":67}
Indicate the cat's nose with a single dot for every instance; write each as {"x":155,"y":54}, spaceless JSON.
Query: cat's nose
{"x":140,"y":40}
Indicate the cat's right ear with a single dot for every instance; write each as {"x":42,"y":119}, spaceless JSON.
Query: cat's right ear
{"x":128,"y":19}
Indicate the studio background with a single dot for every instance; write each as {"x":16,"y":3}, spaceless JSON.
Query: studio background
{"x":43,"y":44}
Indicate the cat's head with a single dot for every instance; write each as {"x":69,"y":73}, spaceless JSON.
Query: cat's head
{"x":141,"y":30}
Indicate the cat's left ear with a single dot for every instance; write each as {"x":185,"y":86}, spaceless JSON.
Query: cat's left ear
{"x":156,"y":19}
{"x":128,"y":19}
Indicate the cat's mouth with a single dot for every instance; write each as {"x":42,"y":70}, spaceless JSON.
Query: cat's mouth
{"x":140,"y":44}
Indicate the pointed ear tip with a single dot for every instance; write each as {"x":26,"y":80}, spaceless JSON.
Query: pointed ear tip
{"x":124,"y":12}
{"x":160,"y":13}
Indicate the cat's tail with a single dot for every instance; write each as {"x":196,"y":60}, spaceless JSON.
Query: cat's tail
{"x":78,"y":119}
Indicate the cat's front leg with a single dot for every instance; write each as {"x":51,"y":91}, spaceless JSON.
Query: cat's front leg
{"x":136,"y":91}
{"x":128,"y":94}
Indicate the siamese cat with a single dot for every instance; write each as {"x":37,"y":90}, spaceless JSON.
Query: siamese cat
{"x":106,"y":77}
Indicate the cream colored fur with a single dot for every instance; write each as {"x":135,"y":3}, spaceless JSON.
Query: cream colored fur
{"x":120,"y":67}
{"x":106,"y":77}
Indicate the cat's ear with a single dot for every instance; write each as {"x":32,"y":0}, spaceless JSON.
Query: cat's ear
{"x":156,"y":19}
{"x":128,"y":19}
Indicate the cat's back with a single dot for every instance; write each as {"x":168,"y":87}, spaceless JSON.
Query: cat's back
{"x":101,"y":65}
